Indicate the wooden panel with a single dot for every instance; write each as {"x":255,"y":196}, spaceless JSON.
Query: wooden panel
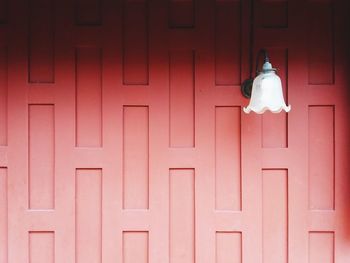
{"x":181,"y":13}
{"x":228,"y":43}
{"x":225,"y":210}
{"x":182,"y":94}
{"x":88,"y":215}
{"x":135,"y":43}
{"x":135,"y":157}
{"x":89,"y":97}
{"x":321,"y":247}
{"x":275,"y":216}
{"x":274,"y":13}
{"x":41,"y":157}
{"x":320,"y":43}
{"x":228,"y":158}
{"x":228,"y":247}
{"x":41,"y":247}
{"x":182,"y":215}
{"x":274,"y":130}
{"x":88,"y":12}
{"x":3,"y":11}
{"x":321,"y":157}
{"x":41,"y":42}
{"x":135,"y":247}
{"x":3,"y":96}
{"x":275,"y":126}
{"x":3,"y":215}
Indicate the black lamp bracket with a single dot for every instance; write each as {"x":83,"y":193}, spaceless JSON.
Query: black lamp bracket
{"x":247,"y":85}
{"x":262,"y":52}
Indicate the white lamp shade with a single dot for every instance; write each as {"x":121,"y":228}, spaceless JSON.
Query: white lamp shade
{"x":267,"y":94}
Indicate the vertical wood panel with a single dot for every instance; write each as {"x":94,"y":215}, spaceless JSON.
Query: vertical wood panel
{"x":275,"y":126}
{"x":274,"y":130}
{"x":275,"y":216}
{"x":228,"y":158}
{"x":3,"y":96}
{"x":321,"y":157}
{"x":181,"y":13}
{"x":135,"y":157}
{"x":182,"y":215}
{"x":228,"y":247}
{"x":88,"y":215}
{"x":41,"y":247}
{"x":135,"y":247}
{"x":3,"y":215}
{"x":135,"y":43}
{"x":321,"y":247}
{"x":89,"y":97}
{"x":41,"y":41}
{"x":182,"y":94}
{"x":228,"y":43}
{"x":181,"y":219}
{"x":41,"y":156}
{"x":320,"y":42}
{"x":274,"y":13}
{"x":88,"y":12}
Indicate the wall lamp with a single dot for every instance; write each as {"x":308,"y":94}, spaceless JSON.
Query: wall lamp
{"x":265,"y":91}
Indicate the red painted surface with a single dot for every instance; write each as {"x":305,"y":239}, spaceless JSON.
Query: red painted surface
{"x":122,"y":137}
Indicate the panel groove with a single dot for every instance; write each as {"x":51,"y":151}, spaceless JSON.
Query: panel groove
{"x":135,"y":151}
{"x":135,"y":35}
{"x":182,"y":98}
{"x":89,"y":96}
{"x":228,"y":47}
{"x":88,"y":215}
{"x":41,"y":247}
{"x":3,"y":215}
{"x":182,"y":217}
{"x":275,"y":210}
{"x":135,"y":247}
{"x":3,"y":95}
{"x":321,"y":137}
{"x":228,"y":171}
{"x":41,"y":156}
{"x":321,"y":58}
{"x":321,"y":247}
{"x":41,"y":38}
{"x":228,"y":247}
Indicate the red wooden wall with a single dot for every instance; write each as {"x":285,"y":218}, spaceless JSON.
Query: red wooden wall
{"x":123,"y":139}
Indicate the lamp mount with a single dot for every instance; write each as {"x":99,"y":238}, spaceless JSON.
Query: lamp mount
{"x":247,"y":85}
{"x":246,"y":88}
